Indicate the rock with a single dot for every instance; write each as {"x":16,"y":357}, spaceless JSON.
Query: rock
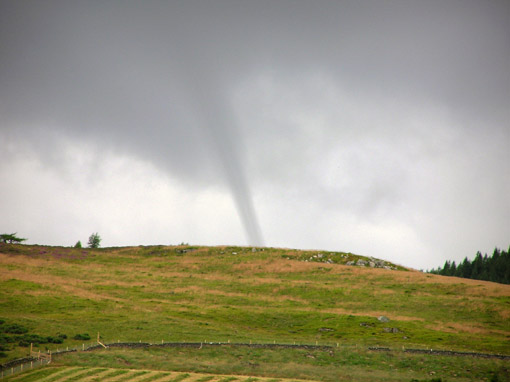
{"x":391,"y":330}
{"x":366,"y":324}
{"x":372,"y":264}
{"x":350,"y":263}
{"x":361,"y":263}
{"x":384,"y":319}
{"x":326,"y":330}
{"x":320,"y":255}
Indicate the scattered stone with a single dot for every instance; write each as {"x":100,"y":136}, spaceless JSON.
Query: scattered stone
{"x":326,"y":330}
{"x":366,"y":324}
{"x":384,"y":319}
{"x":391,"y":330}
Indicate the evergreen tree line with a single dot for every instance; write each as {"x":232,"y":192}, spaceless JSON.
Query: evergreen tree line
{"x":494,"y":268}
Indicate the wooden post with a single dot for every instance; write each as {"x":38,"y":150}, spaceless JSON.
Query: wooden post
{"x":99,"y":342}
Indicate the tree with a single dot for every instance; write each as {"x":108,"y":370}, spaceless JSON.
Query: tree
{"x":10,"y":238}
{"x":78,"y":244}
{"x":94,"y":240}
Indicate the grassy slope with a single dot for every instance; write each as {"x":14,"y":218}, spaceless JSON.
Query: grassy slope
{"x":231,"y":293}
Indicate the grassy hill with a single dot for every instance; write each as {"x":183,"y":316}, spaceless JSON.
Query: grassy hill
{"x":243,"y":295}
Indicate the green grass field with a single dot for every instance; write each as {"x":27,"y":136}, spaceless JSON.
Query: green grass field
{"x":222,"y":294}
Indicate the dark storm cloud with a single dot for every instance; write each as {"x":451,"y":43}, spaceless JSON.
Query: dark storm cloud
{"x":161,"y":81}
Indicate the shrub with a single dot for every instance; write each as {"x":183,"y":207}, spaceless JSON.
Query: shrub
{"x":33,"y":338}
{"x":54,"y":340}
{"x":2,"y":354}
{"x":6,"y":339}
{"x":82,"y":337}
{"x":15,"y":329}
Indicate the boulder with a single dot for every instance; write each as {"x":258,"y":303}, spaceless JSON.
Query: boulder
{"x":384,"y":319}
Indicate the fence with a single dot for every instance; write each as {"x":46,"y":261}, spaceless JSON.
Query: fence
{"x":21,"y":367}
{"x":40,"y":359}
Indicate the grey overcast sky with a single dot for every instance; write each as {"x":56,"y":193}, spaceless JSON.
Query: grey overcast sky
{"x":376,"y":127}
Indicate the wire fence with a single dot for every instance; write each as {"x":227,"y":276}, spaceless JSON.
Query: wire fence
{"x":20,"y":368}
{"x":29,"y":363}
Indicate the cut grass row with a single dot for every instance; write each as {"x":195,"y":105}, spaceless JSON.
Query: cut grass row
{"x":94,"y":374}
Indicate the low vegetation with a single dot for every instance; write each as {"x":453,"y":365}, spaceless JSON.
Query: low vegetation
{"x":259,"y":295}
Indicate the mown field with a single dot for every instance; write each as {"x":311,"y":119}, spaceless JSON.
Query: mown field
{"x":241,"y":295}
{"x":97,"y":374}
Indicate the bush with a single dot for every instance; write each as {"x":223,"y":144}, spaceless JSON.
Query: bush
{"x":33,"y":338}
{"x":2,"y":354}
{"x":54,"y":340}
{"x":14,"y":329}
{"x":6,"y":339}
{"x":78,"y":244}
{"x":24,"y":343}
{"x":82,"y":337}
